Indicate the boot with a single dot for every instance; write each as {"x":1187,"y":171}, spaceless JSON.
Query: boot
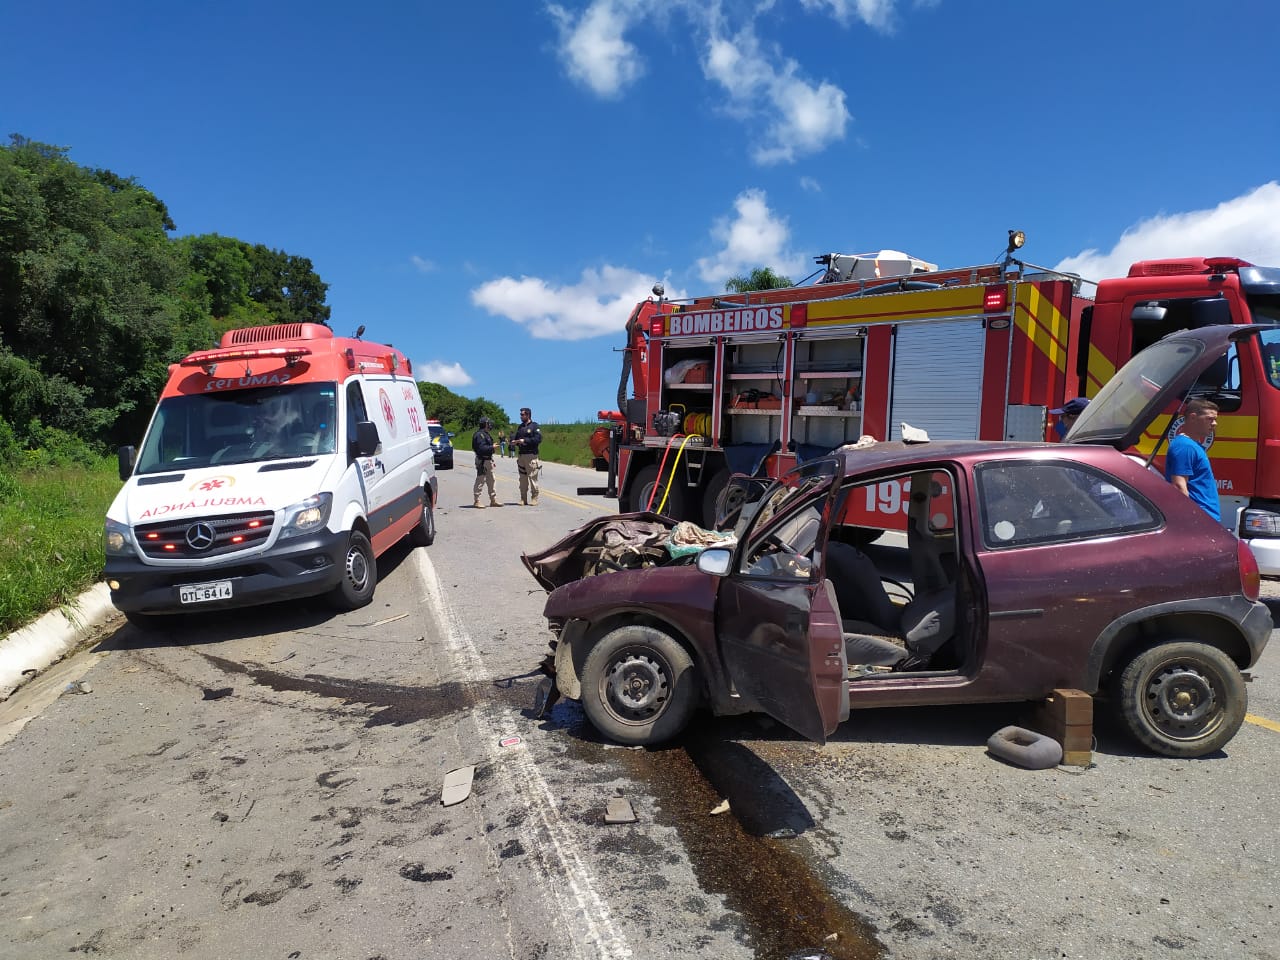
{"x":493,"y":502}
{"x":478,"y":505}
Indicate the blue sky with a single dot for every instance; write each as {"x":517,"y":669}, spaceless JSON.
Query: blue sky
{"x":492,"y":186}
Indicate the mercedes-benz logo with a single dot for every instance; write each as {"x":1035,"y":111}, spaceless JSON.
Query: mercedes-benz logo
{"x":200,"y":536}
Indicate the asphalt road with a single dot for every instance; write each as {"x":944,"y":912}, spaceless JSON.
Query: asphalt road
{"x":268,"y":784}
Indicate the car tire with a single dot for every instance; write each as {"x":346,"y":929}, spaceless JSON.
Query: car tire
{"x":639,"y":686}
{"x":359,"y":574}
{"x":1182,"y":699}
{"x":424,"y":534}
{"x":643,"y":487}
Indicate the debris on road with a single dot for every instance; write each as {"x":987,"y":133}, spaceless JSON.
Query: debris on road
{"x":78,"y":686}
{"x":457,"y":785}
{"x":721,"y":807}
{"x":619,"y":810}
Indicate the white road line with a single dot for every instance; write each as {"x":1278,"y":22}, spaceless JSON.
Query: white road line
{"x":558,"y":849}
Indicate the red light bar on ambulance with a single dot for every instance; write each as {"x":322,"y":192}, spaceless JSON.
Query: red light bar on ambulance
{"x":207,"y":358}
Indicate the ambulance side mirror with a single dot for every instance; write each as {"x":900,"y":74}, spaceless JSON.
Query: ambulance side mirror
{"x":127,"y":456}
{"x":366,"y":440}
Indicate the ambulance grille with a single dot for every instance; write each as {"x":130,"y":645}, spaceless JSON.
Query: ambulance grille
{"x":195,"y":538}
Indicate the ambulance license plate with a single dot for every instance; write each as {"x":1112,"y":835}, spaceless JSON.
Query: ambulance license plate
{"x":200,"y":592}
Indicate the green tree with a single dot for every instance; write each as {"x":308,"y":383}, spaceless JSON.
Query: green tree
{"x":761,"y":278}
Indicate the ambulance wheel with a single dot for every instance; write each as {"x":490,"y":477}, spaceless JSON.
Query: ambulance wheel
{"x":424,"y":534}
{"x":643,"y":488}
{"x":359,"y":574}
{"x":639,"y":686}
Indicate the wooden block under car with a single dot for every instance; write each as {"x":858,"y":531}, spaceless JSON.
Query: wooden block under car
{"x":1067,"y":716}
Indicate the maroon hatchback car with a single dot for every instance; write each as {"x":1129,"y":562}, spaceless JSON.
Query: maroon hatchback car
{"x":1006,"y":571}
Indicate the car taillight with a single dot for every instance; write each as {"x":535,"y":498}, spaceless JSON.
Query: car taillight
{"x":1250,"y":578}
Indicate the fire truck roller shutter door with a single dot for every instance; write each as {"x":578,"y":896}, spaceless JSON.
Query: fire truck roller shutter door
{"x":937,"y":378}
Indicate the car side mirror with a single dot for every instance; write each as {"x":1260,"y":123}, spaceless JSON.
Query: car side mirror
{"x":367,"y":441}
{"x":715,"y":561}
{"x":127,"y":456}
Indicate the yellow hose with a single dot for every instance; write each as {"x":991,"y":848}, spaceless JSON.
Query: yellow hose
{"x":671,"y":477}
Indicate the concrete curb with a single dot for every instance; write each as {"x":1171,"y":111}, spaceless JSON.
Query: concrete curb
{"x":27,"y":651}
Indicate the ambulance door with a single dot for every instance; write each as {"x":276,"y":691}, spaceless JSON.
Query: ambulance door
{"x":368,"y":469}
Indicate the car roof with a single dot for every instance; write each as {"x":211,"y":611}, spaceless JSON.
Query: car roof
{"x":896,"y":454}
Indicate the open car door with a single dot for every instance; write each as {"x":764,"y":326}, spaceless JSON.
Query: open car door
{"x":776,"y":616}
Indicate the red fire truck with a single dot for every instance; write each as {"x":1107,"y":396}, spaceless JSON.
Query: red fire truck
{"x":752,"y":383}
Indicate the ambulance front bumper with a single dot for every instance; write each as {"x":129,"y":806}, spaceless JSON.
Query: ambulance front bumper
{"x":297,"y":568}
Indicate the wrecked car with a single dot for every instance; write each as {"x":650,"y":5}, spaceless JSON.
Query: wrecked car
{"x":1000,"y":571}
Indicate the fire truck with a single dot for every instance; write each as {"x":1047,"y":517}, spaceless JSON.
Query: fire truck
{"x":753,"y":383}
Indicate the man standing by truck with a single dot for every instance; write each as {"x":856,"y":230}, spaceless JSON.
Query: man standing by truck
{"x":1187,"y":465}
{"x":527,"y":439}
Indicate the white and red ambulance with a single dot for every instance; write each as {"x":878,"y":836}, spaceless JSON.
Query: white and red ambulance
{"x":279,"y":465}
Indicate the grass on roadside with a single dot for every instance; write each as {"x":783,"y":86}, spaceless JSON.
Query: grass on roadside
{"x":51,"y":521}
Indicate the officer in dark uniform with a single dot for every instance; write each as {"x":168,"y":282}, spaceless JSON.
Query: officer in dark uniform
{"x":482,"y":445}
{"x":526,"y":440}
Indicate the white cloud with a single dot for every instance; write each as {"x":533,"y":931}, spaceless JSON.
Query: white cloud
{"x":446,"y":374}
{"x":598,"y":304}
{"x":810,"y":184}
{"x":593,"y":50}
{"x":424,"y":265}
{"x":1247,"y":226}
{"x":754,"y":237}
{"x":799,"y":117}
{"x":877,"y":14}
{"x":793,"y":115}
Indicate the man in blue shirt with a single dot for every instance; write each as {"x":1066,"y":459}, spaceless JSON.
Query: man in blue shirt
{"x":1186,"y":465}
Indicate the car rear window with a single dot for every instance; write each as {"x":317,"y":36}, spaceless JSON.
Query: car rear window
{"x":1032,"y":502}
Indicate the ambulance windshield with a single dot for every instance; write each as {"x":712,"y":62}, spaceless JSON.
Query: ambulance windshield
{"x":240,"y":426}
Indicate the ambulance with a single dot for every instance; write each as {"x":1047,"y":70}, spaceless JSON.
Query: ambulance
{"x":280,"y":465}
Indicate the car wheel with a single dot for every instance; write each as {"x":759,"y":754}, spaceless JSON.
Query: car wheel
{"x":643,"y":488}
{"x":639,"y":686}
{"x":1182,"y":699}
{"x":424,"y":534}
{"x":359,"y":574}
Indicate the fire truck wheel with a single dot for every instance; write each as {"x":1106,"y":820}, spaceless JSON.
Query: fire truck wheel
{"x":1182,"y":699}
{"x":711,"y":495}
{"x":424,"y":534}
{"x":359,"y":574}
{"x":645,"y":482}
{"x":639,"y":686}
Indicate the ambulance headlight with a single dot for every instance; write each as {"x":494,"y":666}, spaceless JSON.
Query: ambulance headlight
{"x":308,"y":516}
{"x":119,"y":539}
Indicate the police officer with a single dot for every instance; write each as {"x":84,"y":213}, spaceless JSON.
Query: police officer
{"x":482,"y":445}
{"x":526,"y":440}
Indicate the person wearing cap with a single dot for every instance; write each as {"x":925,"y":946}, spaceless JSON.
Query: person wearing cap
{"x":1067,"y":414}
{"x":527,"y":439}
{"x":482,"y":446}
